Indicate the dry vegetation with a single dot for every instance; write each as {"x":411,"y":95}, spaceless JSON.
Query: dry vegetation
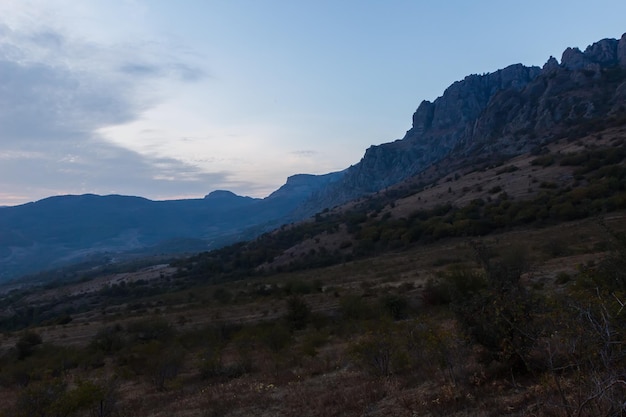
{"x":370,"y":341}
{"x":525,"y":320}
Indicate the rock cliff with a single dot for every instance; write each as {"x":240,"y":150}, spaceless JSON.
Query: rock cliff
{"x":506,"y":112}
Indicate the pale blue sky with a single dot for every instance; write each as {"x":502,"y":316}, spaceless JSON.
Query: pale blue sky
{"x":174,"y":99}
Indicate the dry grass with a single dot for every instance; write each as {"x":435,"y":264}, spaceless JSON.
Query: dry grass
{"x":327,"y":381}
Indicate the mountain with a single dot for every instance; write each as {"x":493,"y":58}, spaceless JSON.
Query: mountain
{"x":59,"y":230}
{"x":479,"y":121}
{"x":480,"y":272}
{"x":494,"y":116}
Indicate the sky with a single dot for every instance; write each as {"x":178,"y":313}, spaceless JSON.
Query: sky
{"x":174,"y":99}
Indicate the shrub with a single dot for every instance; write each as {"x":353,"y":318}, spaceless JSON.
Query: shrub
{"x":298,"y":313}
{"x":507,"y":169}
{"x":108,"y":339}
{"x":298,"y":287}
{"x":435,"y":293}
{"x":396,"y":306}
{"x":544,"y":161}
{"x":380,"y":351}
{"x":435,"y":346}
{"x":222,"y":295}
{"x":312,"y":340}
{"x":275,"y":336}
{"x":211,"y":361}
{"x":149,"y":329}
{"x":53,"y":398}
{"x":157,"y":361}
{"x":354,"y":307}
{"x":26,"y":344}
{"x":500,"y":316}
{"x":42,"y":399}
{"x":562,"y":278}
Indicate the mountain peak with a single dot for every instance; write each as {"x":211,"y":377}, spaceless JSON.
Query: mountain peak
{"x":221,"y":195}
{"x":497,"y":114}
{"x":305,"y":184}
{"x":551,"y":64}
{"x":621,"y":51}
{"x":606,"y":52}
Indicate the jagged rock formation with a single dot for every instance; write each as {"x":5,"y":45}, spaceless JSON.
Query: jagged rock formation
{"x":621,"y":51}
{"x":505,"y":113}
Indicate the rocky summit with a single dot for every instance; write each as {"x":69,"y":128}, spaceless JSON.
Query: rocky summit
{"x":504,"y":113}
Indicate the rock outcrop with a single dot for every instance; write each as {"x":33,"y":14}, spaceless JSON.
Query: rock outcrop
{"x":506,"y":112}
{"x":621,"y":51}
{"x":550,"y":65}
{"x":604,"y":52}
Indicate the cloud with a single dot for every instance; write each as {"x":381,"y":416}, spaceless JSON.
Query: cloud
{"x":49,"y":93}
{"x":188,"y":73}
{"x":304,"y":153}
{"x":53,"y":84}
{"x":57,"y":93}
{"x":141,"y":70}
{"x":179,"y":71}
{"x":101,"y":168}
{"x":47,"y":39}
{"x":43,"y":103}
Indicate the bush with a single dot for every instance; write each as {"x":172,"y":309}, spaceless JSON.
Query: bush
{"x":500,"y":316}
{"x":435,"y":346}
{"x":562,"y":278}
{"x":157,"y":361}
{"x":222,"y":295}
{"x":211,"y":362}
{"x":108,"y":339}
{"x":544,"y":161}
{"x":275,"y":336}
{"x":354,"y":307}
{"x":53,"y":398}
{"x":396,"y":306}
{"x":312,"y":340}
{"x":26,"y":344}
{"x":149,"y":329}
{"x":381,"y":351}
{"x":435,"y":293}
{"x":298,"y":313}
{"x":42,"y":399}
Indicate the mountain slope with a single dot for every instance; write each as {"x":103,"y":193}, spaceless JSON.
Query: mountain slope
{"x":501,"y":114}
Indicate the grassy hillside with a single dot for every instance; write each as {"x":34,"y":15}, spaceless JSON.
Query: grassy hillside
{"x":497,"y":290}
{"x":506,"y":325}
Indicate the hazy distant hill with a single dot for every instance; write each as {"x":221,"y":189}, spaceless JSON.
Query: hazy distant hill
{"x":64,"y":229}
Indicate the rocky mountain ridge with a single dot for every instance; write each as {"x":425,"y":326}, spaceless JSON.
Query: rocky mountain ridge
{"x":500,"y":114}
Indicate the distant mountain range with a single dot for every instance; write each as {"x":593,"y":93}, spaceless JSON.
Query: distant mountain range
{"x":60,"y":230}
{"x":483,"y":117}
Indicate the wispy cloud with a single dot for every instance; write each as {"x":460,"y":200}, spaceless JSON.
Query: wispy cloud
{"x":58,"y":92}
{"x":304,"y":153}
